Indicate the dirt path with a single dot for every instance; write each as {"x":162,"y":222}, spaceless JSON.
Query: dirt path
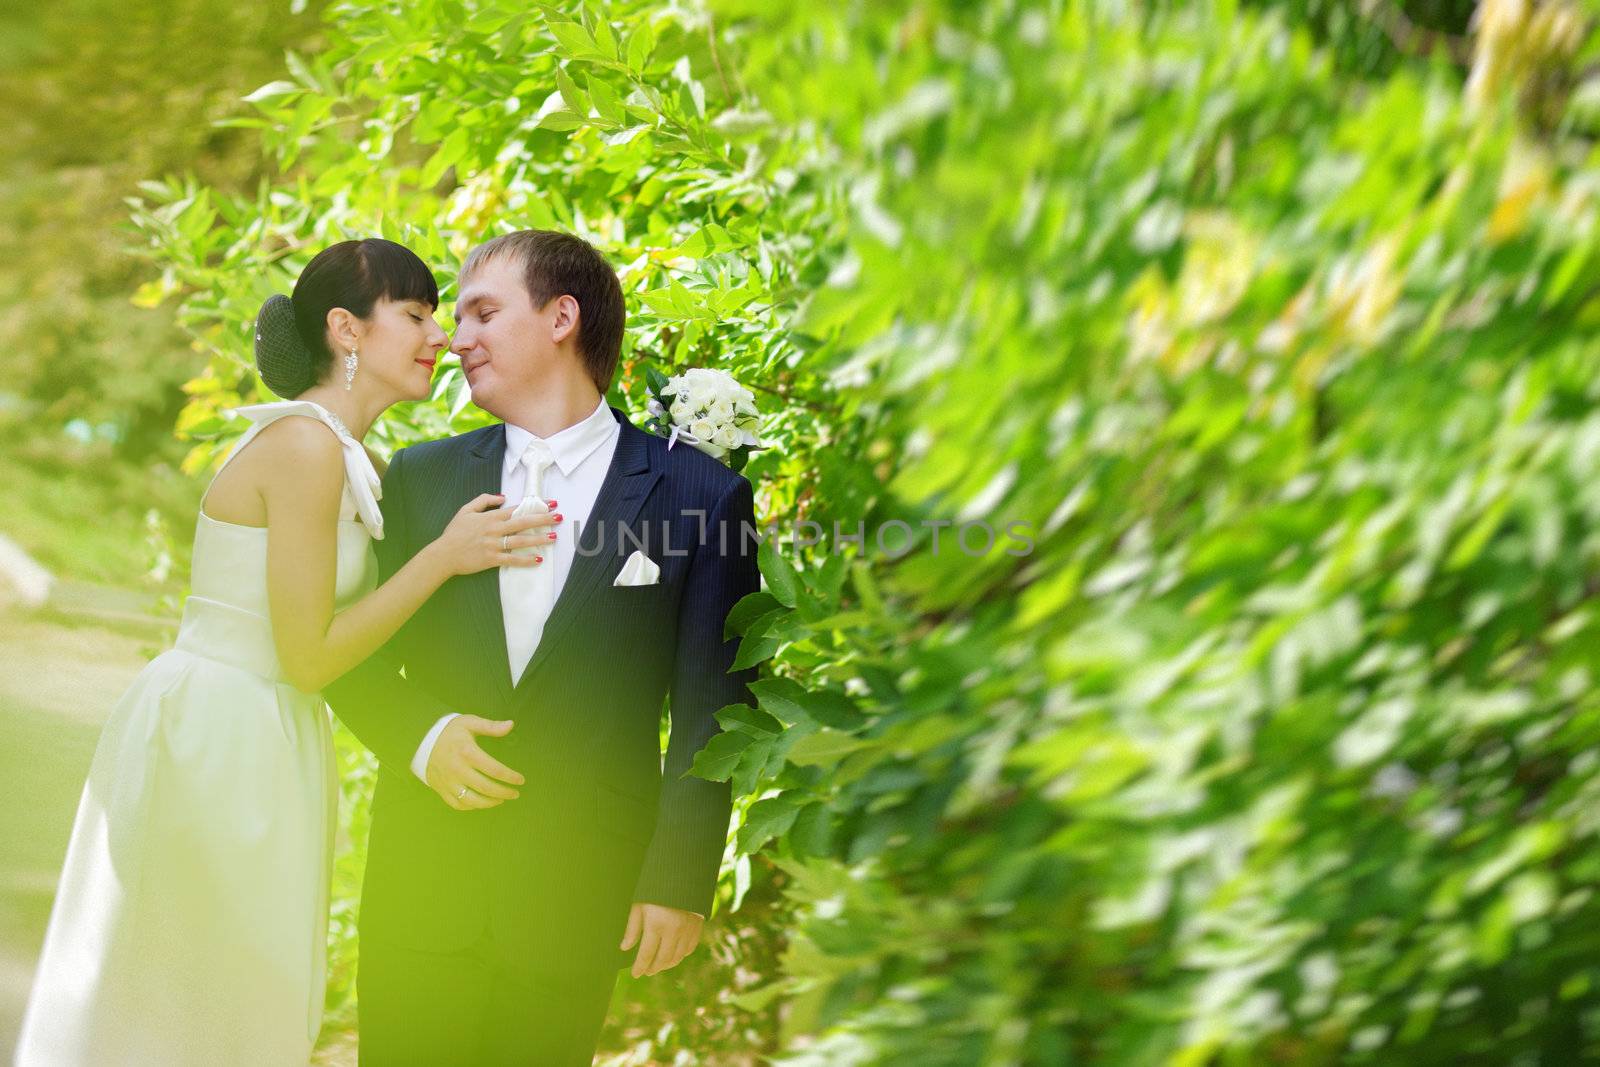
{"x":57,"y":683}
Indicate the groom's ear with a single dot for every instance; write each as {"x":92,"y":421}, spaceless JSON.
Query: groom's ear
{"x":564,"y":324}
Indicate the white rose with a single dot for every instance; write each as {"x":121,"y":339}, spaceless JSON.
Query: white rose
{"x":681,"y":410}
{"x":702,"y":429}
{"x":712,"y":449}
{"x":716,"y":383}
{"x":727,"y":437}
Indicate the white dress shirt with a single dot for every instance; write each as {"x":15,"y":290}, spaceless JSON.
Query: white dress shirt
{"x":583,"y":454}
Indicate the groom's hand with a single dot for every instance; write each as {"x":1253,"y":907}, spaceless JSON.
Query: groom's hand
{"x":664,"y":936}
{"x":457,"y":762}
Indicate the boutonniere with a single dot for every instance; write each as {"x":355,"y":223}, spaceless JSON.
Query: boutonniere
{"x":707,"y":409}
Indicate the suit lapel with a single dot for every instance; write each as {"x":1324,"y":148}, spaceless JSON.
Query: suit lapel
{"x":634,"y":471}
{"x":484,"y":465}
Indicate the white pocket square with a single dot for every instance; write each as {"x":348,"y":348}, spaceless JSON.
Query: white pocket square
{"x":639,"y":570}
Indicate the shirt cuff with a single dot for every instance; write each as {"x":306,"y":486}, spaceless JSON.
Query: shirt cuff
{"x":419,"y":762}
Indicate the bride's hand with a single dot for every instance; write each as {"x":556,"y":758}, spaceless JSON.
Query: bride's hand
{"x":484,"y":535}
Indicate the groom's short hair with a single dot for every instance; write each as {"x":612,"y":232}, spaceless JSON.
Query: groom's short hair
{"x":555,"y":263}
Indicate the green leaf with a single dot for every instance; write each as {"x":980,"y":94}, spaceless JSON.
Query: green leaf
{"x":272,"y":89}
{"x":783,"y":697}
{"x":765,"y":820}
{"x":562,"y":119}
{"x":606,"y":101}
{"x":640,"y":45}
{"x":717,"y":759}
{"x":694,"y":246}
{"x":832,"y":708}
{"x":750,"y":607}
{"x":779,"y":573}
{"x":760,"y":999}
{"x":1473,"y":542}
{"x":763,"y":639}
{"x":624,"y":135}
{"x":812,"y":832}
{"x":825,"y":748}
{"x":605,"y":41}
{"x":447,"y":154}
{"x":303,"y":72}
{"x":510,"y":35}
{"x":753,"y":721}
{"x":762,"y":759}
{"x":577,"y":101}
{"x":459,"y":395}
{"x":573,"y":38}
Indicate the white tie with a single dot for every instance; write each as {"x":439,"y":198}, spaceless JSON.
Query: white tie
{"x":527,"y":593}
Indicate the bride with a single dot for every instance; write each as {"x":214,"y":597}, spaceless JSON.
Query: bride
{"x":190,"y":923}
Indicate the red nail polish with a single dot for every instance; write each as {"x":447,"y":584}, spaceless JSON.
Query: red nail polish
{"x":558,"y":516}
{"x":538,"y":559}
{"x":552,"y":535}
{"x":552,"y":503}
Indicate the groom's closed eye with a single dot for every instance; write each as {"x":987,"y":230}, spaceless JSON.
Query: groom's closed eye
{"x":475,"y":302}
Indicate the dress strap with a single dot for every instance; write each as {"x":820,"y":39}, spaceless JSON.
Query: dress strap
{"x":366,"y":488}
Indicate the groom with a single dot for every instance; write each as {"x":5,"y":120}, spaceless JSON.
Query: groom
{"x":524,"y":836}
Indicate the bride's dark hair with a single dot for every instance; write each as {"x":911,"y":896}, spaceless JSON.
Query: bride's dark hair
{"x":292,"y":350}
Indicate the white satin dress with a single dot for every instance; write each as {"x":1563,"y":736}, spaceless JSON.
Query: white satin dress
{"x":190,"y":923}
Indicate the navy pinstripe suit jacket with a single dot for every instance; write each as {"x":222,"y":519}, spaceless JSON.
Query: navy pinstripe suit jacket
{"x":587,"y":708}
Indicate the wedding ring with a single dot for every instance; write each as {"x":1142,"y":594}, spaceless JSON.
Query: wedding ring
{"x":461,"y":794}
{"x":503,"y":546}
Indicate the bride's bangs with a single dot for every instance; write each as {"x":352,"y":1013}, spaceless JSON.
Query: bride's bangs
{"x":398,"y":274}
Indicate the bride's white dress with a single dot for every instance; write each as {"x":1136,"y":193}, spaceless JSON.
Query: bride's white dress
{"x":190,"y":924}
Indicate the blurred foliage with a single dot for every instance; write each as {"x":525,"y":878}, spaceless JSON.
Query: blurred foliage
{"x":1276,"y":742}
{"x":103,"y":95}
{"x":1367,"y":38}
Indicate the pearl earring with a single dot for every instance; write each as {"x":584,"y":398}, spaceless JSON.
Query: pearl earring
{"x":349,"y":369}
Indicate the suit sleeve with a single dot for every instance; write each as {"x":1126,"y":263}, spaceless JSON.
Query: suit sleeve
{"x":386,"y":712}
{"x":680,"y":867}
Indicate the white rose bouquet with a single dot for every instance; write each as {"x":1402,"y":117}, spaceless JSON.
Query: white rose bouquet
{"x":707,"y":409}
